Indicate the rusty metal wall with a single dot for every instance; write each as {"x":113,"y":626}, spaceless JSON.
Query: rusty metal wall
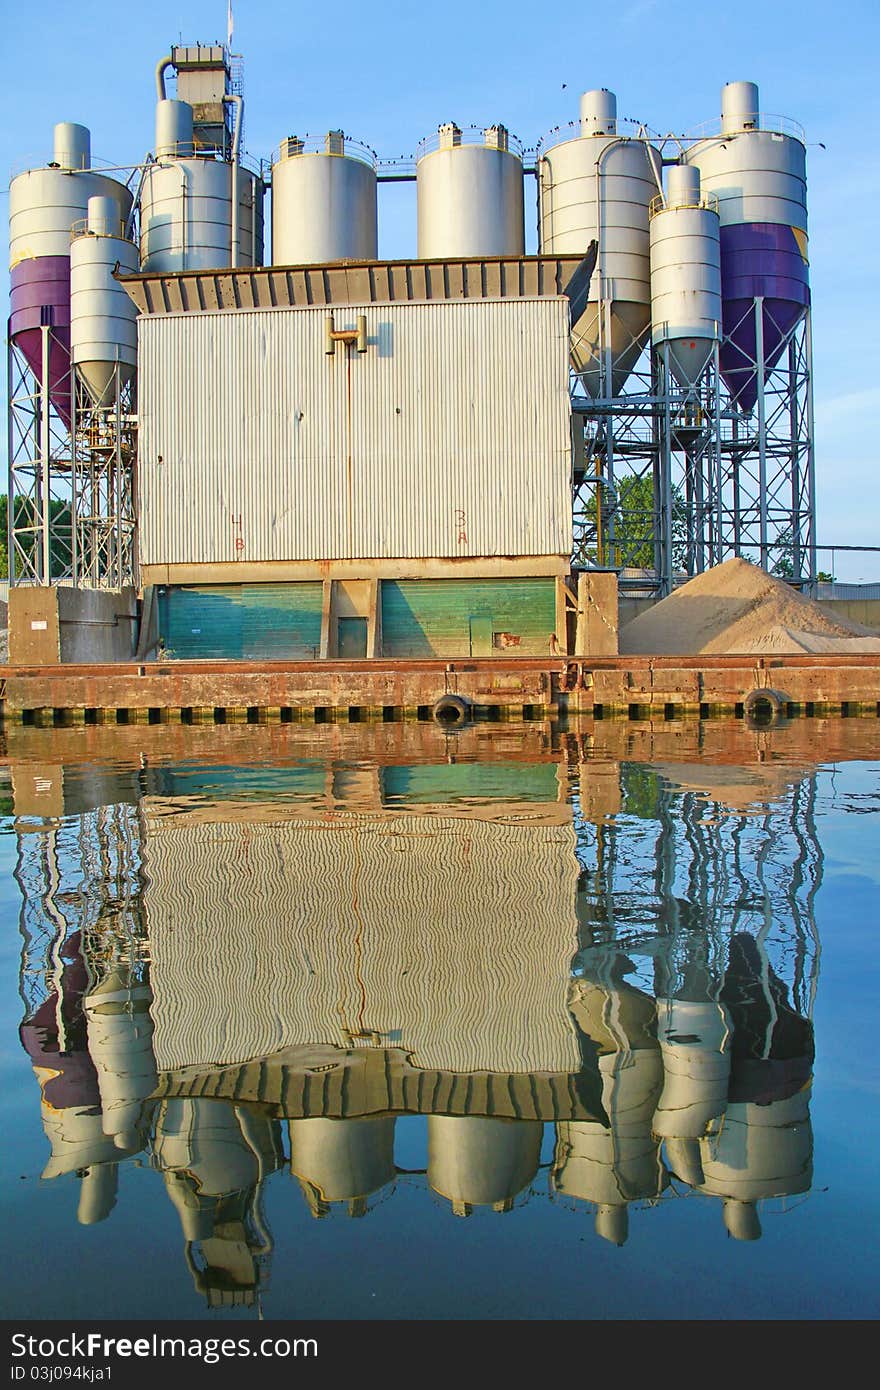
{"x":451,"y":938}
{"x":448,"y":437}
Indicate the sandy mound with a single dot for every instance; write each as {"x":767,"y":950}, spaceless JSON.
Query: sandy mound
{"x":737,"y":607}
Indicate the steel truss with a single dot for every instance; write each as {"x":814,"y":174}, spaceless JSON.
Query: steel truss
{"x":668,"y":482}
{"x":71,"y":489}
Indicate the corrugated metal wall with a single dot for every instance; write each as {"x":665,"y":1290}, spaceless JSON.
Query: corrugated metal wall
{"x":452,"y":938}
{"x":454,"y":440}
{"x":249,"y":621}
{"x":452,"y":617}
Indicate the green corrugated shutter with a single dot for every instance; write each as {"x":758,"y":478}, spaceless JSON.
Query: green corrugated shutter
{"x":242,"y":621}
{"x":438,"y":617}
{"x":201,"y":622}
{"x":281,"y":621}
{"x":433,"y":784}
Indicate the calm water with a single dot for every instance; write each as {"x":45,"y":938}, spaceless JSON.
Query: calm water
{"x":360,"y":1022}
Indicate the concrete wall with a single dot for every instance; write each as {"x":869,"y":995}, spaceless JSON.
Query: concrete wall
{"x":49,"y":625}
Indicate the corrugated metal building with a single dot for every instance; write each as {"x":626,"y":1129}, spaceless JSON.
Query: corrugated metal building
{"x":407,"y":493}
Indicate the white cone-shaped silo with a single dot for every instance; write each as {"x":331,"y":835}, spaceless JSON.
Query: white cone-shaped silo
{"x":103,"y":318}
{"x":685,"y":275}
{"x":324,"y":201}
{"x":120,"y":1032}
{"x":343,"y":1159}
{"x":207,"y":1140}
{"x":469,"y":189}
{"x":694,"y":1042}
{"x":759,"y":179}
{"x":479,"y":1161}
{"x":97,"y":1193}
{"x":44,"y":204}
{"x":761,"y":1151}
{"x":620,"y":1163}
{"x":597,"y":185}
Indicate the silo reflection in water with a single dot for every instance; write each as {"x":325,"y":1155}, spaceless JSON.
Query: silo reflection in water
{"x":449,"y":963}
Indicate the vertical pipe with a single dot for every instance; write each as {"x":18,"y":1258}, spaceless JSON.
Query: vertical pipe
{"x":719,"y":481}
{"x":45,"y":568}
{"x":794,"y":463}
{"x":74,"y":491}
{"x":10,"y":471}
{"x":666,"y":466}
{"x":811,"y":454}
{"x":605,"y":316}
{"x":762,"y":428}
{"x":238,"y":103}
{"x":117,"y":467}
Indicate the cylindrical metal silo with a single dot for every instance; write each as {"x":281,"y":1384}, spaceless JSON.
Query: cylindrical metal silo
{"x":103,"y":319}
{"x":187,"y":200}
{"x":480,"y":1161}
{"x":343,"y":1159}
{"x":759,"y":178}
{"x":469,"y":195}
{"x":324,"y":201}
{"x":43,"y":206}
{"x":685,"y":274}
{"x":596,"y":184}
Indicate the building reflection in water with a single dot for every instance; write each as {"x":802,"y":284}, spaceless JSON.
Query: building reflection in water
{"x":235,"y":986}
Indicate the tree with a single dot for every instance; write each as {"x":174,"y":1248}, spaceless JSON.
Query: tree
{"x":59,"y":538}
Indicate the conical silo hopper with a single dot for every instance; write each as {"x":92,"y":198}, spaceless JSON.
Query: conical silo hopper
{"x":103,"y":318}
{"x":616,"y":1163}
{"x":120,"y":1031}
{"x":44,"y":204}
{"x":595,"y":184}
{"x":759,"y":178}
{"x":761,"y":1151}
{"x":685,"y":275}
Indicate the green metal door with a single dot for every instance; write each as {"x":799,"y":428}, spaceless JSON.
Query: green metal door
{"x":351,"y":638}
{"x":481,"y":635}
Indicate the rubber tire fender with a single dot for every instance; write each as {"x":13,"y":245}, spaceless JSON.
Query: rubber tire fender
{"x":764,"y":707}
{"x":451,"y":710}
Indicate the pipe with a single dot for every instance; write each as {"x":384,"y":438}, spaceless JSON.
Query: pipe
{"x":162,"y":64}
{"x":238,"y":103}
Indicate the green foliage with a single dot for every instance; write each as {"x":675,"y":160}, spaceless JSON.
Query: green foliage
{"x":640,"y":787}
{"x":59,"y":537}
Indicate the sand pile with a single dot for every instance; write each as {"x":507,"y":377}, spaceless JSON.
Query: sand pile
{"x":735,"y":608}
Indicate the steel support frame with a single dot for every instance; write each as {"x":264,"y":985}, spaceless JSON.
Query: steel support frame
{"x":724,"y":482}
{"x":71,"y":516}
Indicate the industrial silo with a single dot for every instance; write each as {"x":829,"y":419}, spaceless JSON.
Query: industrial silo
{"x":596,"y":184}
{"x":188,"y":196}
{"x":477,"y":1160}
{"x":469,"y":194}
{"x":103,"y":318}
{"x":44,"y":204}
{"x":343,"y":1160}
{"x":759,"y":178}
{"x":324,"y":201}
{"x":685,"y":275}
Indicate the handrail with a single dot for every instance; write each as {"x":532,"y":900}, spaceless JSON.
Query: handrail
{"x":296,"y":145}
{"x":705,"y":200}
{"x":469,"y":135}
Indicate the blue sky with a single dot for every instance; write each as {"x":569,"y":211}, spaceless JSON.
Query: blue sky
{"x":389,"y":73}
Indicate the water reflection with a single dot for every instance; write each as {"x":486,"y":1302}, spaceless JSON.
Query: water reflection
{"x":238,"y":971}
